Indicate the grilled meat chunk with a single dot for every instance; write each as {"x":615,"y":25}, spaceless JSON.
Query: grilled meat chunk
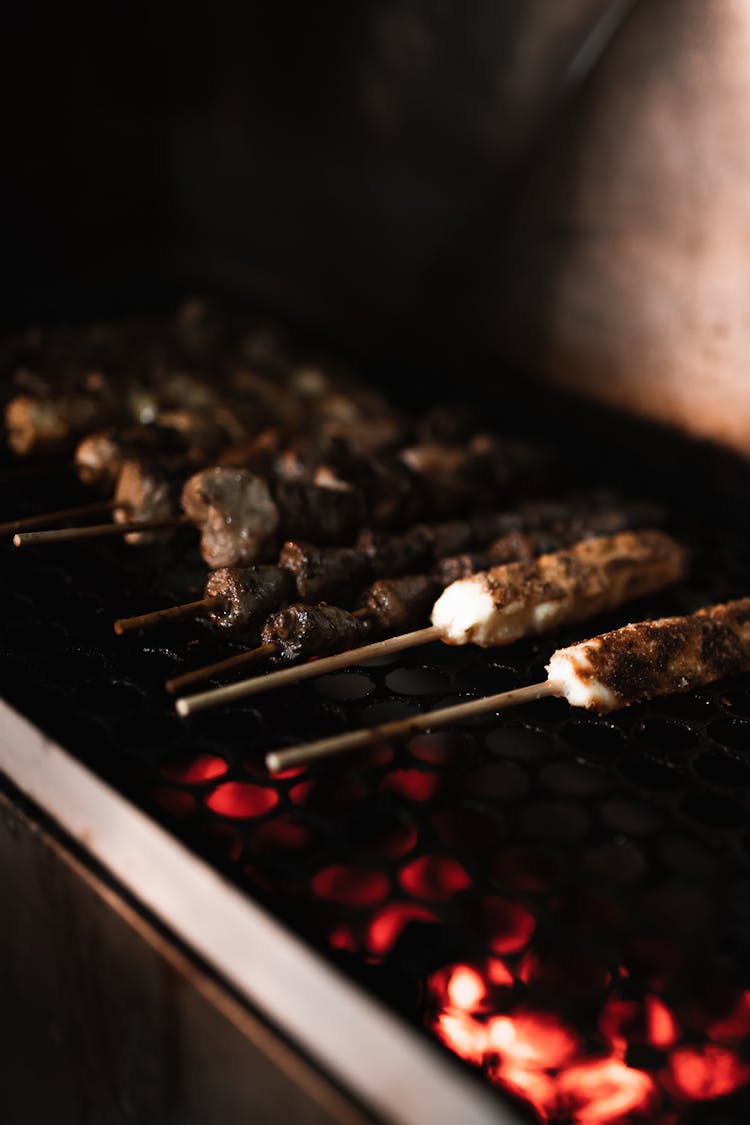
{"x":238,"y":517}
{"x":395,"y":604}
{"x":251,"y":593}
{"x":327,"y":516}
{"x":303,"y":631}
{"x":321,"y":573}
{"x":147,"y":490}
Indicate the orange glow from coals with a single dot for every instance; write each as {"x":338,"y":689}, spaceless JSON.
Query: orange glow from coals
{"x":532,"y":1039}
{"x":434,"y":877}
{"x":239,"y":800}
{"x":604,"y":1090}
{"x":350,"y":885}
{"x":465,"y":988}
{"x":194,"y":769}
{"x":735,"y":1025}
{"x":464,"y":1035}
{"x":388,"y":924}
{"x":649,"y":1021}
{"x":706,"y":1072}
{"x":536,"y":1055}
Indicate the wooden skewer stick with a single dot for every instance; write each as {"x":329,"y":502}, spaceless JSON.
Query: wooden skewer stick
{"x":252,"y":656}
{"x":239,"y":660}
{"x":205,"y":700}
{"x":97,"y":507}
{"x":164,"y":616}
{"x":279,"y":760}
{"x":97,"y":531}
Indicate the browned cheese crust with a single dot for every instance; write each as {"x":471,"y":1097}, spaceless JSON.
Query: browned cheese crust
{"x":608,"y":570}
{"x":673,"y":654}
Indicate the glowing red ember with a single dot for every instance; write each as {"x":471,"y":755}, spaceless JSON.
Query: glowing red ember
{"x":194,"y":769}
{"x":605,"y":1090}
{"x":703,"y":1073}
{"x":350,"y":885}
{"x":434,"y":877}
{"x":239,"y":799}
{"x":388,"y":924}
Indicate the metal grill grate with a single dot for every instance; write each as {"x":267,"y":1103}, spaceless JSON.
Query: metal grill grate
{"x":594,"y":860}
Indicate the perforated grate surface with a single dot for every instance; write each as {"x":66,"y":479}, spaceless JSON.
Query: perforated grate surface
{"x":574,"y":863}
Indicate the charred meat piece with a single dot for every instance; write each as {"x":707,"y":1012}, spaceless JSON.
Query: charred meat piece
{"x":395,"y":604}
{"x":449,"y":537}
{"x":396,"y":497}
{"x":321,"y":573}
{"x":448,"y":422}
{"x":328,"y":516}
{"x":147,"y":490}
{"x":204,"y":432}
{"x":257,"y":453}
{"x":452,"y":478}
{"x":35,"y":425}
{"x":397,"y":554}
{"x":303,"y":631}
{"x":100,"y":456}
{"x":237,"y":515}
{"x":251,"y":593}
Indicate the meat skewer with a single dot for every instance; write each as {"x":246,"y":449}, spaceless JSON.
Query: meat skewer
{"x":390,"y":554}
{"x":613,"y":670}
{"x":308,"y":573}
{"x":99,"y":531}
{"x":501,"y":605}
{"x":242,"y":515}
{"x":95,"y":508}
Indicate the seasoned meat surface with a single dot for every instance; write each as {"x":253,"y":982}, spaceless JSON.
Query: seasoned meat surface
{"x":303,"y":631}
{"x":238,"y":517}
{"x":251,"y":593}
{"x":325,"y":516}
{"x":147,"y":491}
{"x":395,"y":604}
{"x":322,"y":572}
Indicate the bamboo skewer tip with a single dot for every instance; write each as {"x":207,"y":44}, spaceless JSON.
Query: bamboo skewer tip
{"x":98,"y":531}
{"x":240,"y":659}
{"x":163,"y":616}
{"x":204,"y":701}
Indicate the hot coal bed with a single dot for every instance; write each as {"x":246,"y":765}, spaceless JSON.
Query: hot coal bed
{"x":561,"y":901}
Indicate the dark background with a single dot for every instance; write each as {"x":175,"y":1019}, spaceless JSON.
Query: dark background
{"x":337,"y":161}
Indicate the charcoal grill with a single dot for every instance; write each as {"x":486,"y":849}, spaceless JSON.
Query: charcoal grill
{"x":190,"y":941}
{"x":588,"y":876}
